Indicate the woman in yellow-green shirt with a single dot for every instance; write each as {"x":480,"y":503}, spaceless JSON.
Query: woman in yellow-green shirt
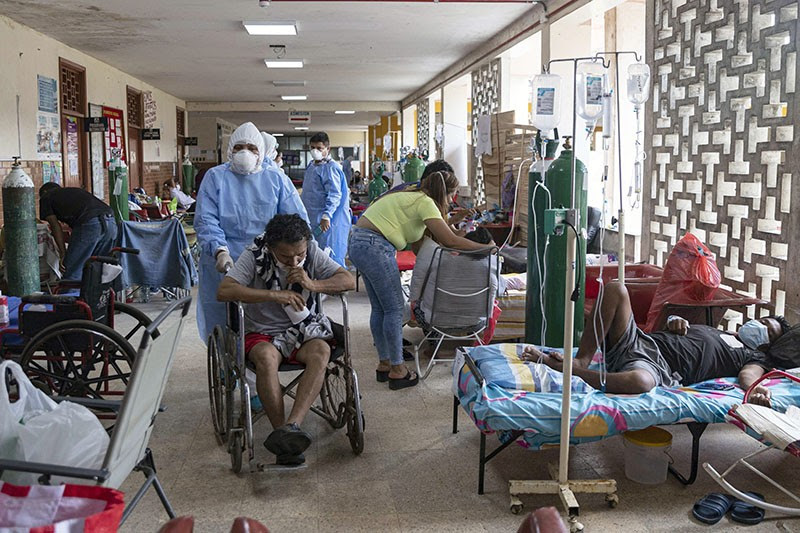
{"x":388,"y":225}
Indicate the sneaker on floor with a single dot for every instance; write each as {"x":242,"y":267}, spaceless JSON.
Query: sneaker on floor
{"x":288,"y":439}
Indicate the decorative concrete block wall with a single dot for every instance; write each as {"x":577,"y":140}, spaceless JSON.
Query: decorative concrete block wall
{"x":722,"y":140}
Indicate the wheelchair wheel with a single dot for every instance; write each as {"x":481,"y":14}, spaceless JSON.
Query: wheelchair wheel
{"x":333,"y":395}
{"x":355,"y":417}
{"x":79,"y":358}
{"x":217,"y":382}
{"x":236,"y":447}
{"x":139,"y":321}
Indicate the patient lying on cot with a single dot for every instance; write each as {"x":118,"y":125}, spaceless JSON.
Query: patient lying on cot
{"x":682,"y":355}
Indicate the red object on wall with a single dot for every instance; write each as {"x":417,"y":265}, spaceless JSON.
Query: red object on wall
{"x":115,"y":136}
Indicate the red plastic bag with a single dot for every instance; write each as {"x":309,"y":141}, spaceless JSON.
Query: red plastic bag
{"x":63,"y":508}
{"x":690,"y":275}
{"x":488,"y":333}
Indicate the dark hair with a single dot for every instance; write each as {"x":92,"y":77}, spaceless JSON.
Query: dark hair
{"x":320,"y":137}
{"x":785,"y":326}
{"x":287,"y":229}
{"x":440,"y":165}
{"x":784,"y":352}
{"x":47,"y":187}
{"x":479,"y":235}
{"x":438,"y":186}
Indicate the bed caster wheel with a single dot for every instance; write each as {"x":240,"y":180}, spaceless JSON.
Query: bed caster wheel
{"x":516,"y":508}
{"x":612,"y":500}
{"x":574,"y":525}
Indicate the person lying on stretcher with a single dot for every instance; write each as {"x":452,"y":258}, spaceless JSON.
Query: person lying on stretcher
{"x":682,"y":355}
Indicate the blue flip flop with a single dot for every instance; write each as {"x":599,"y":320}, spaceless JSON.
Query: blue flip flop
{"x":712,"y":507}
{"x":747,"y":513}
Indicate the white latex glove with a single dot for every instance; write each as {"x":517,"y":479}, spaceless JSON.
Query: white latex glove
{"x":224,"y":262}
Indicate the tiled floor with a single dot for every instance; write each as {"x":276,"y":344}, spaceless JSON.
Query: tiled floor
{"x":414,"y":474}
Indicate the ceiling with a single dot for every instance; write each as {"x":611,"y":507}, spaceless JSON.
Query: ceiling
{"x":198,"y":50}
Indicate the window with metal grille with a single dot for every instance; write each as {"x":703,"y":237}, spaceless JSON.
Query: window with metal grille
{"x":135,"y":108}
{"x":180,"y":121}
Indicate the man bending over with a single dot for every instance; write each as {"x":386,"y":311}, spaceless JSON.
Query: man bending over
{"x":682,"y":355}
{"x":278,"y":277}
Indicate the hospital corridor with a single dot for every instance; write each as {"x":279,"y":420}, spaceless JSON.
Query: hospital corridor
{"x":399,"y":266}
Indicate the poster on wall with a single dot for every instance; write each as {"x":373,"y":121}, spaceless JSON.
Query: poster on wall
{"x":149,"y":109}
{"x":97,"y":149}
{"x":51,"y":171}
{"x":48,"y":123}
{"x":115,"y":135}
{"x":48,"y":94}
{"x":48,"y":136}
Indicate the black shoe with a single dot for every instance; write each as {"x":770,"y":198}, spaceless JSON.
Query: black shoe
{"x":288,"y":440}
{"x":290,"y":460}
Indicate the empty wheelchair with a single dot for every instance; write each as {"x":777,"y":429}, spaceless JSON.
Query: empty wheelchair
{"x":339,"y":401}
{"x":74,"y":343}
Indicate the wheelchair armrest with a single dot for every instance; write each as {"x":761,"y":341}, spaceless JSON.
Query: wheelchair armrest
{"x":92,"y":403}
{"x":49,"y":299}
{"x":99,"y":405}
{"x":48,"y":470}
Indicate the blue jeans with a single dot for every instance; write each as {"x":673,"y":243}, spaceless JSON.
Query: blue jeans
{"x":374,"y":257}
{"x":95,"y":236}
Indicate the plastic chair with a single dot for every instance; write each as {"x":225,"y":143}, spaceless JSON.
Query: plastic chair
{"x":128,"y":449}
{"x":456,"y":306}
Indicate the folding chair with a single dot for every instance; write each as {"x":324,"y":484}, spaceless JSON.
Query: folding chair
{"x":128,"y":449}
{"x":456,"y":299}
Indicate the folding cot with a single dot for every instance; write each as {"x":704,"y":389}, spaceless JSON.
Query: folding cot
{"x":502,"y":395}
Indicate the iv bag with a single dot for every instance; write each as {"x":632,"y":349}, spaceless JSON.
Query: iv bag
{"x":590,"y":84}
{"x":638,"y":83}
{"x":546,"y":101}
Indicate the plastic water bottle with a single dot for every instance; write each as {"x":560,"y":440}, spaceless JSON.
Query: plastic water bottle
{"x":4,"y":319}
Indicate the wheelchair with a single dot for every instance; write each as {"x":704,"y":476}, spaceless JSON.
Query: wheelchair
{"x":339,"y":401}
{"x":70,"y":344}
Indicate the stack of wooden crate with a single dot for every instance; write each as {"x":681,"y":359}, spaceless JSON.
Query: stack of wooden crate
{"x":510,"y":151}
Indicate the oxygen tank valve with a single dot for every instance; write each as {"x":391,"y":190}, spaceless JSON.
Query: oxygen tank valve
{"x":567,"y":144}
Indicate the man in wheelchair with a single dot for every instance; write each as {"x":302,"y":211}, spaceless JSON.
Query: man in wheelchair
{"x":279,"y":277}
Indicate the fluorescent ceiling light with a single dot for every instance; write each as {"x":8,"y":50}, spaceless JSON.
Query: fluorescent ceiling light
{"x":345,"y":112}
{"x":286,"y":98}
{"x":301,"y":128}
{"x":270,"y":28}
{"x":288,"y":83}
{"x":284,"y":63}
{"x":277,"y":134}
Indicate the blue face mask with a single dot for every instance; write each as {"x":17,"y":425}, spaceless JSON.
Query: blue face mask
{"x":753,"y":334}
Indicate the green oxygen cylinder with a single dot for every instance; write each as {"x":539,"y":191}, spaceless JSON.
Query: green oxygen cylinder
{"x":558,"y":180}
{"x":413,"y":170}
{"x":21,"y":244}
{"x":189,"y":172}
{"x":537,"y":203}
{"x":118,"y":188}
{"x":376,"y":188}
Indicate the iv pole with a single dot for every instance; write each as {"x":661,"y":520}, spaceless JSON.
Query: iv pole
{"x":561,"y":484}
{"x":621,"y":210}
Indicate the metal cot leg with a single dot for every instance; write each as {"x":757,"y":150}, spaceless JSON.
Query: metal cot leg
{"x":696,"y":429}
{"x":455,"y":415}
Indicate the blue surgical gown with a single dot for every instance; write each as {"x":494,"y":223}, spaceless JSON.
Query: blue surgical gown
{"x":325,"y":191}
{"x":231,"y":211}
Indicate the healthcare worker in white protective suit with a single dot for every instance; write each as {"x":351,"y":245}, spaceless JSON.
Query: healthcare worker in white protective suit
{"x":327,"y":199}
{"x":270,"y":150}
{"x":235,"y":202}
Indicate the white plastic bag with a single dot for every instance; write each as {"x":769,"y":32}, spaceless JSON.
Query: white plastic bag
{"x":48,"y":432}
{"x":31,"y":400}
